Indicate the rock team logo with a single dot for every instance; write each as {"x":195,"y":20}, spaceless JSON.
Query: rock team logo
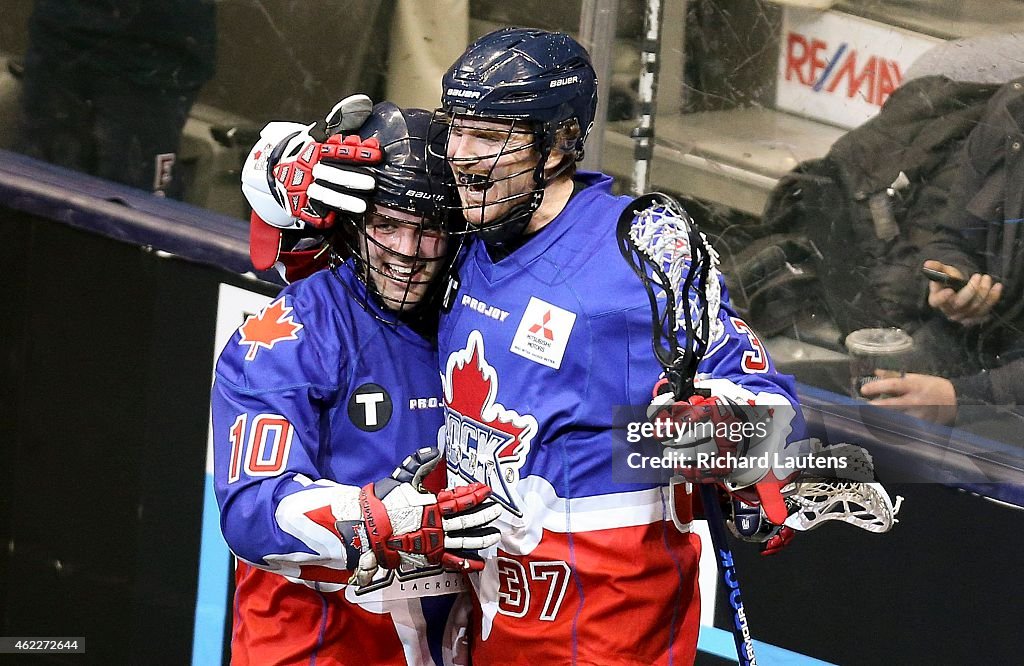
{"x":484,"y":441}
{"x":408,"y":582}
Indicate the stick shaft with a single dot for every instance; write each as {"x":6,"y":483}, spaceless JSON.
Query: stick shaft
{"x":727,"y":569}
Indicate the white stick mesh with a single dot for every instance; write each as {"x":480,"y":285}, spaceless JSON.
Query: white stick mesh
{"x":663,"y":234}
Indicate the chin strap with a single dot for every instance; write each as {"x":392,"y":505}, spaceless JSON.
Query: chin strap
{"x":513,"y":224}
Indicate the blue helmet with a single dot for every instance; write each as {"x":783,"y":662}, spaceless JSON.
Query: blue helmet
{"x":542,"y":84}
{"x":525,"y":74}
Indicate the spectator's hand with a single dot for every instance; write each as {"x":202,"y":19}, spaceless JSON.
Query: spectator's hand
{"x":404,"y":525}
{"x":923,"y":396}
{"x":968,"y":306}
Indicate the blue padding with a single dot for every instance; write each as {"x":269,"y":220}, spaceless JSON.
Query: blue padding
{"x":124,"y":213}
{"x":720,"y":643}
{"x":906,"y":449}
{"x":212,"y":595}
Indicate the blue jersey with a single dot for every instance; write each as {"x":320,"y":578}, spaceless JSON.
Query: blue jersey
{"x":539,"y":349}
{"x":312,"y":395}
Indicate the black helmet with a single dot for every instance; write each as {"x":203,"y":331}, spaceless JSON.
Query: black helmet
{"x":404,"y":183}
{"x":403,"y":178}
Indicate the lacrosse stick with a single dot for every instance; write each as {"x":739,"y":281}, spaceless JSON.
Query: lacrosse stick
{"x":850,"y":496}
{"x":677,"y":268}
{"x":863,"y":505}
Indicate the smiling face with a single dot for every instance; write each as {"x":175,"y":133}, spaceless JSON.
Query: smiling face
{"x":494,"y":163}
{"x":404,"y":254}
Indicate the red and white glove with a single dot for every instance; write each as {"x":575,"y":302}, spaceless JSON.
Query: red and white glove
{"x":299,"y":254}
{"x":704,"y":432}
{"x":749,"y":429}
{"x":403,"y":525}
{"x":296,"y":184}
{"x":312,"y":179}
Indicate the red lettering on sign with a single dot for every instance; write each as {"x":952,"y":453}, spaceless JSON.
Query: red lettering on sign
{"x":871,"y":80}
{"x":803,"y":58}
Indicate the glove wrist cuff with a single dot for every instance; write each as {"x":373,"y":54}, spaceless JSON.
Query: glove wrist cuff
{"x":353,"y":537}
{"x":378,"y":526}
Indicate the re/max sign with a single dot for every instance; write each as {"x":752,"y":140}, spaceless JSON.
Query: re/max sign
{"x":840,"y":70}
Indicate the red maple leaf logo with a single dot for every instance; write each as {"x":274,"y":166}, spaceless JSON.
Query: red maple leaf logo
{"x":273,"y":324}
{"x":471,"y":386}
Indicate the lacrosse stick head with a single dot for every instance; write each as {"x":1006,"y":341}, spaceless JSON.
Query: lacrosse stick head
{"x":679,"y":271}
{"x":864,"y":505}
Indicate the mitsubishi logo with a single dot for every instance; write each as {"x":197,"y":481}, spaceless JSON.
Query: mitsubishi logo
{"x":543,"y":333}
{"x":543,"y":327}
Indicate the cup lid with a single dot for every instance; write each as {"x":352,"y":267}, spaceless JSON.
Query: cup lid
{"x":877,"y":341}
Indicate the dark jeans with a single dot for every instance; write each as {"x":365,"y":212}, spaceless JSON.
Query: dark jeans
{"x":103,"y":125}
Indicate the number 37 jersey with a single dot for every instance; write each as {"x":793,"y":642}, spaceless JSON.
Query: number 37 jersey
{"x":538,"y":350}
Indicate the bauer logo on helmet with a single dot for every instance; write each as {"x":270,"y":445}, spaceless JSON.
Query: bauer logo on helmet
{"x":457,"y":92}
{"x":564,"y":82}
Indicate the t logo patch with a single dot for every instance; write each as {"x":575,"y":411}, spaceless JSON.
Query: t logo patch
{"x":543,"y":333}
{"x":370,"y":407}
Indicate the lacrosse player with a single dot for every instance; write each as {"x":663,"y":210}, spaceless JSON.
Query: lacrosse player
{"x":322,"y":394}
{"x":546,"y":331}
{"x":587,"y":570}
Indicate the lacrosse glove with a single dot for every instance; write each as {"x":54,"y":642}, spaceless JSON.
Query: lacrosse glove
{"x":403,"y":525}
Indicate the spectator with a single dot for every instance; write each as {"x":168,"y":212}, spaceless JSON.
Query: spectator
{"x":109,"y":84}
{"x":979,"y":237}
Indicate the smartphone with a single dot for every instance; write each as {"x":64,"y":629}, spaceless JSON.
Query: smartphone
{"x":944,"y":279}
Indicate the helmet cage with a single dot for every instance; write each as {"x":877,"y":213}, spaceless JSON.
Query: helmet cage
{"x":409,"y":184}
{"x":526,"y":74}
{"x":375,"y":262}
{"x":514,"y":221}
{"x":542,"y":79}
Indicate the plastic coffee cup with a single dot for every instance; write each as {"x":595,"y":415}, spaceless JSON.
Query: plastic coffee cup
{"x":874,"y":349}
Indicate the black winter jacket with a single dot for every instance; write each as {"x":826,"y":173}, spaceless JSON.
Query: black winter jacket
{"x":867,"y":239}
{"x":980,"y":231}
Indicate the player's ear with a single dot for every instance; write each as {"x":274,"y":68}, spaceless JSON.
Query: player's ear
{"x":557,"y":162}
{"x":563,"y":148}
